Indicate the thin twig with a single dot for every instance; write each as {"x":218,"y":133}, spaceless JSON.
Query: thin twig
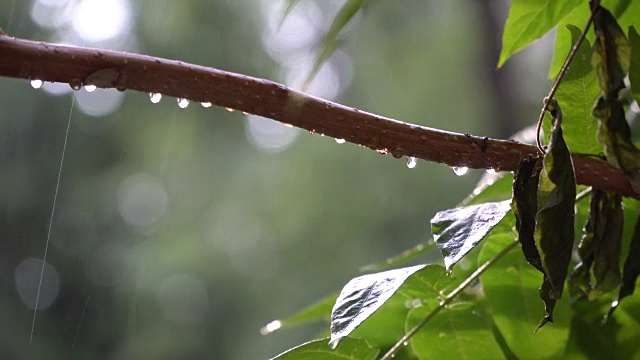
{"x":110,"y":69}
{"x":561,"y":74}
{"x":448,"y":299}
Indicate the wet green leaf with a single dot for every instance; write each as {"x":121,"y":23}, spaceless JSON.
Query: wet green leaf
{"x":461,"y":331}
{"x":577,"y":93}
{"x":319,"y":311}
{"x":386,"y":325}
{"x":362,"y":296}
{"x":554,"y":233}
{"x":330,"y":42}
{"x":530,"y":19}
{"x":631,"y":269}
{"x":349,"y":349}
{"x":457,"y":231}
{"x":511,"y":289}
{"x":634,"y":67}
{"x":611,"y":54}
{"x":525,"y":206}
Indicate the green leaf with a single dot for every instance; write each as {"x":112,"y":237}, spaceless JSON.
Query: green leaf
{"x":615,"y":339}
{"x":319,"y":311}
{"x":525,"y":206}
{"x":457,"y":231}
{"x":330,"y":41}
{"x":511,"y":289}
{"x":634,"y":67}
{"x":362,"y":296}
{"x":600,"y":246}
{"x":490,"y":188}
{"x":611,"y":54}
{"x":400,"y":258}
{"x":386,"y":325}
{"x":577,"y":93}
{"x":530,"y":19}
{"x":462,"y":331}
{"x":349,"y":349}
{"x":554,"y":233}
{"x":631,"y":269}
{"x":623,"y":9}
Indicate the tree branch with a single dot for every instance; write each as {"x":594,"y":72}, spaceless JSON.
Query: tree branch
{"x":110,"y":69}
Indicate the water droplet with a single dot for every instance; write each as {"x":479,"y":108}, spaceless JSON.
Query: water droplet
{"x":155,"y":97}
{"x":491,"y":171}
{"x":340,"y":141}
{"x":460,"y":170}
{"x":287,"y":125}
{"x":36,"y":84}
{"x":271,"y":327}
{"x":75,"y":84}
{"x":246,"y":113}
{"x":90,"y":88}
{"x":206,"y":104}
{"x":412,"y":162}
{"x":230,"y":109}
{"x":333,"y":344}
{"x":405,"y":343}
{"x":182,"y":102}
{"x":382,"y":151}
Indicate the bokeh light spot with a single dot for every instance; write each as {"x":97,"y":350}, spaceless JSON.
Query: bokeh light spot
{"x":27,"y":278}
{"x":142,"y":199}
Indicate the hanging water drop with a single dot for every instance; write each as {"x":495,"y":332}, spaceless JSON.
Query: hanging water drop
{"x":340,"y":141}
{"x":155,"y":97}
{"x":75,"y":84}
{"x":405,"y":343}
{"x":230,"y":109}
{"x":382,"y":151}
{"x":412,"y":162}
{"x":460,"y":170}
{"x":36,"y":84}
{"x":333,"y":344}
{"x":182,"y":102}
{"x":491,"y":171}
{"x":205,"y":104}
{"x":90,"y":88}
{"x":287,"y":125}
{"x":271,"y":327}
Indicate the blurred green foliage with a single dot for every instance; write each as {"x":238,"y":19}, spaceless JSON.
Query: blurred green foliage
{"x":246,"y":236}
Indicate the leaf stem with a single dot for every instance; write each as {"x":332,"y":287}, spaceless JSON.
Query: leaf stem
{"x":448,"y":299}
{"x":561,"y":74}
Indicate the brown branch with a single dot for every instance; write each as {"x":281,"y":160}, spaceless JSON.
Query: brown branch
{"x":110,"y":69}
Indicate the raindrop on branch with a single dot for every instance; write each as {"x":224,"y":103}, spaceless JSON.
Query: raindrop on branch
{"x":460,"y":170}
{"x":491,"y":171}
{"x":75,"y":84}
{"x":340,"y":141}
{"x":230,"y":109}
{"x":182,"y":102}
{"x":412,"y":162}
{"x":90,"y":88}
{"x":206,"y":104}
{"x":155,"y":97}
{"x":36,"y":84}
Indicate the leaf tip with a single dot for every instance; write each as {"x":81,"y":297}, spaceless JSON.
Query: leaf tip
{"x":334,"y":341}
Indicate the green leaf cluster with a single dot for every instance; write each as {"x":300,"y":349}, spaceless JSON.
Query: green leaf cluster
{"x":489,"y":305}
